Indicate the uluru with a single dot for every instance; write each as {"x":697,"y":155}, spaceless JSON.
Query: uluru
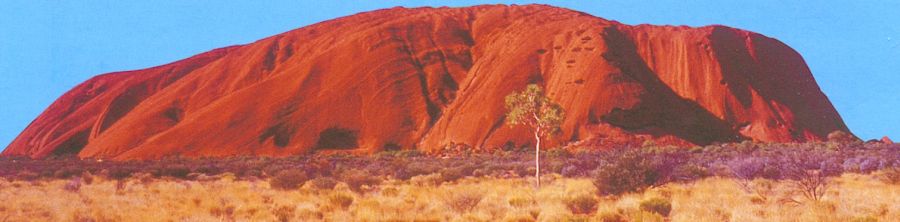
{"x":428,"y":78}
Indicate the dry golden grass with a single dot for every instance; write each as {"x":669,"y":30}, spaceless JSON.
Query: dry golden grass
{"x":851,"y":197}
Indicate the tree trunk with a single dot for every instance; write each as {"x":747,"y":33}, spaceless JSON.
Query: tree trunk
{"x":537,"y":158}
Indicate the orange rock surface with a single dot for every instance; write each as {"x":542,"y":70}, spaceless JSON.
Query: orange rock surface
{"x":427,"y":77}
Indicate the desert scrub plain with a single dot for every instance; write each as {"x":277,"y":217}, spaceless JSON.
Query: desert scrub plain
{"x":831,"y":181}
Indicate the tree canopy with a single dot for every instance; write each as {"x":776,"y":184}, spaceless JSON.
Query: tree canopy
{"x":532,"y":108}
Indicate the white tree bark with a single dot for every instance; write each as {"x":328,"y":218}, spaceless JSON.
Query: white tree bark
{"x":537,"y":157}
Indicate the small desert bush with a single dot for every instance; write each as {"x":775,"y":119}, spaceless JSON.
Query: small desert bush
{"x":340,"y":200}
{"x":521,"y":202}
{"x":690,"y":172}
{"x":464,"y":199}
{"x":812,"y":184}
{"x":27,"y":175}
{"x":67,"y":172}
{"x":390,"y":192}
{"x":416,"y":169}
{"x":357,"y":180}
{"x":288,"y":179}
{"x":284,"y":213}
{"x":632,"y":172}
{"x":558,"y":153}
{"x":74,"y":185}
{"x":810,"y":174}
{"x":611,"y":216}
{"x":657,"y":205}
{"x":841,"y":137}
{"x":176,"y":171}
{"x":225,"y":211}
{"x":427,"y":180}
{"x":451,"y":174}
{"x":118,"y":173}
{"x":582,"y":204}
{"x":87,"y":177}
{"x":324,"y":183}
{"x":755,"y":167}
{"x":519,"y":218}
{"x":864,"y":219}
{"x":890,"y":175}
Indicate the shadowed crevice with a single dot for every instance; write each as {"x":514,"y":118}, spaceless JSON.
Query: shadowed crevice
{"x":73,"y":145}
{"x":662,"y":111}
{"x":337,"y":138}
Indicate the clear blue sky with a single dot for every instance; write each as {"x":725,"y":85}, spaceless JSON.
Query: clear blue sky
{"x":47,"y":47}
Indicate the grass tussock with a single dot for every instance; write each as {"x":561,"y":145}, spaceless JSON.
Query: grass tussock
{"x":852,"y":197}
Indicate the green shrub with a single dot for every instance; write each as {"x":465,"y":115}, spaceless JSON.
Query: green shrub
{"x":632,"y":172}
{"x":657,"y":205}
{"x":288,"y":179}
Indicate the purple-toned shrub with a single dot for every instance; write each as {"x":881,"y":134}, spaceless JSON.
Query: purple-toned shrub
{"x":689,"y":172}
{"x":451,"y":174}
{"x":746,"y":160}
{"x":326,"y":183}
{"x":73,"y":185}
{"x":356,"y":180}
{"x":288,"y":179}
{"x":748,"y":168}
{"x":572,"y":171}
{"x":176,"y":171}
{"x":118,"y":173}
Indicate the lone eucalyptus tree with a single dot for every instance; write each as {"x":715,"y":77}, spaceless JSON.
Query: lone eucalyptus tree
{"x":533,"y":109}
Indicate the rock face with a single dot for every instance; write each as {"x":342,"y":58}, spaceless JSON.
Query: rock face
{"x":428,"y":77}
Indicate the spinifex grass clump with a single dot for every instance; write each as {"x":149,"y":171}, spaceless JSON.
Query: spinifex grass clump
{"x":464,"y":199}
{"x":657,"y":205}
{"x":581,"y":204}
{"x":341,"y":200}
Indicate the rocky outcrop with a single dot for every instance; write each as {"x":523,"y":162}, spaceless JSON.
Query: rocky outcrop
{"x":427,"y":77}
